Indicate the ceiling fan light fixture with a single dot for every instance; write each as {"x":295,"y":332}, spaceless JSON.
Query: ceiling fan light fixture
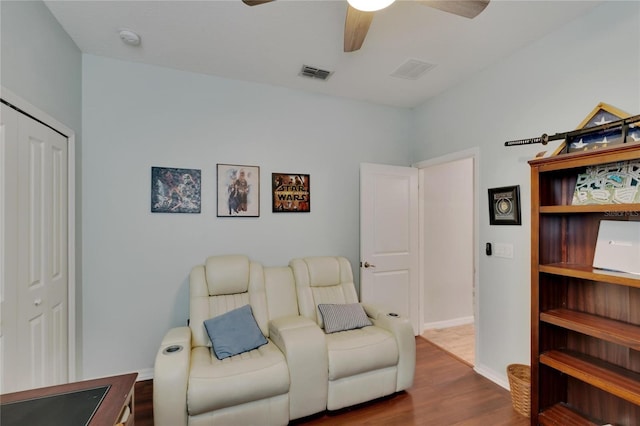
{"x":369,"y":5}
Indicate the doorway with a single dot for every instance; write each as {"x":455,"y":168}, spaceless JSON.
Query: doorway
{"x":448,"y":216}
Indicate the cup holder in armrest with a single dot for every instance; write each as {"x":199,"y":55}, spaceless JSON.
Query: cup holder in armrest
{"x":173,"y":349}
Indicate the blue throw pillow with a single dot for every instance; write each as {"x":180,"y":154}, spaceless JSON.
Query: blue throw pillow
{"x":234,"y":332}
{"x":343,"y":317}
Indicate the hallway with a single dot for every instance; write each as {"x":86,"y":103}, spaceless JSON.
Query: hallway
{"x":458,"y":341}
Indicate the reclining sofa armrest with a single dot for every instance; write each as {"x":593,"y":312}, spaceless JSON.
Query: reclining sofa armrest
{"x":373,"y":311}
{"x":402,"y":330}
{"x":171,"y":374}
{"x":304,"y":346}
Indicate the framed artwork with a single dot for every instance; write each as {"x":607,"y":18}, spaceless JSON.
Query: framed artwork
{"x":175,"y":190}
{"x":504,"y":205}
{"x":238,"y":190}
{"x":290,"y":193}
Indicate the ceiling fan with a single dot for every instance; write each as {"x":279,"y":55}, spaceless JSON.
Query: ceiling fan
{"x":359,"y":19}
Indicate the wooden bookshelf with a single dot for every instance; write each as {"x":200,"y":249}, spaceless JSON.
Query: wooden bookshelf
{"x":585,"y":322}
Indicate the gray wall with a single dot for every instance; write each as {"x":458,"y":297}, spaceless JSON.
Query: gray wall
{"x":42,"y":65}
{"x":550,"y":86}
{"x":138,"y":116}
{"x":40,"y":62}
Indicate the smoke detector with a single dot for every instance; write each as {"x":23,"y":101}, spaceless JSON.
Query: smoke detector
{"x":129,"y":37}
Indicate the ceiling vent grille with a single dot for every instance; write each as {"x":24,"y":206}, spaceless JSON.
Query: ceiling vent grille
{"x":413,"y":69}
{"x":313,"y":72}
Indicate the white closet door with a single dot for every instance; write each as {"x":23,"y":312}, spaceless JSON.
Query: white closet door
{"x":35,"y":274}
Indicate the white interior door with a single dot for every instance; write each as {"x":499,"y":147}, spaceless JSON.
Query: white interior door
{"x":34,"y":286}
{"x":389,"y":239}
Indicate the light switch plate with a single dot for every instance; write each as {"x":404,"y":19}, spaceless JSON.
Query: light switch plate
{"x":503,"y":250}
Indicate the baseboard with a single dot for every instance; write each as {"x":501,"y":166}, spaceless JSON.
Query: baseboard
{"x":448,"y":323}
{"x":494,"y":376}
{"x":145,"y":374}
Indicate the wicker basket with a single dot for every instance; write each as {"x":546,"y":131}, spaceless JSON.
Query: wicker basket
{"x":520,"y":384}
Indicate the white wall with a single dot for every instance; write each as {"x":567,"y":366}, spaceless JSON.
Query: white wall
{"x":136,"y":263}
{"x":550,"y":86}
{"x":448,"y":235}
{"x":42,"y":65}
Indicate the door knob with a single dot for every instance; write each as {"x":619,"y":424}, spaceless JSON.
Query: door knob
{"x":369,"y":265}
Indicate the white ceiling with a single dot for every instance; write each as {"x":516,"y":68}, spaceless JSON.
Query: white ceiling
{"x":270,"y":43}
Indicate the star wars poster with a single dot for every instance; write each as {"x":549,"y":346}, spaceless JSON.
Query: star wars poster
{"x":291,"y":193}
{"x":175,"y":190}
{"x":238,"y":190}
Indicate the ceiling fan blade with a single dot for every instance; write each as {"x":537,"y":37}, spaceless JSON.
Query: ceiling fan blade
{"x":356,"y":26}
{"x":467,"y":8}
{"x":255,"y":2}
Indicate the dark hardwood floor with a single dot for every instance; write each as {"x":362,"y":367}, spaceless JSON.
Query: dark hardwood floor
{"x":445,"y":392}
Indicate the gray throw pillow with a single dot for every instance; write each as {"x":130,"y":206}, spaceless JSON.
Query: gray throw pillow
{"x":340,"y":317}
{"x":234,"y":332}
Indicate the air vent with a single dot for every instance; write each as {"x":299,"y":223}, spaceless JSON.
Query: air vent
{"x":312,"y":72}
{"x":413,"y":69}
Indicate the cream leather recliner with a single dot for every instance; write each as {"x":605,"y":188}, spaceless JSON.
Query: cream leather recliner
{"x":192,"y":386}
{"x":298,"y":370}
{"x":364,"y":363}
